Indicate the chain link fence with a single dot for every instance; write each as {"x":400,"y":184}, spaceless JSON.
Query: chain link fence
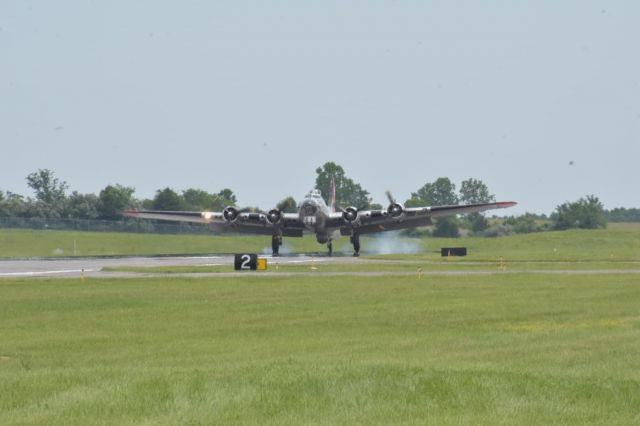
{"x":125,"y":225}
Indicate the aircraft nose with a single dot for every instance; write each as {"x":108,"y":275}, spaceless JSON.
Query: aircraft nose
{"x":309,"y":207}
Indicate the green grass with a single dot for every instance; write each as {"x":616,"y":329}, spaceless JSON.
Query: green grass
{"x":513,"y":348}
{"x":619,"y":242}
{"x":401,"y":267}
{"x":505,"y":349}
{"x":26,"y":243}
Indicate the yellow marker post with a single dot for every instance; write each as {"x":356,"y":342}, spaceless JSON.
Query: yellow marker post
{"x":262,"y":264}
{"x":419,"y":272}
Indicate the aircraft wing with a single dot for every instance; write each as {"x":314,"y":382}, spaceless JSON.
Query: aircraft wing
{"x":372,"y":221}
{"x":231,"y":220}
{"x":438,"y":211}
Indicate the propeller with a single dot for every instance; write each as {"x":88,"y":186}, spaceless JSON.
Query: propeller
{"x":390,"y":197}
{"x":395,"y":209}
{"x":274,"y":216}
{"x":350,"y":214}
{"x":230,"y":213}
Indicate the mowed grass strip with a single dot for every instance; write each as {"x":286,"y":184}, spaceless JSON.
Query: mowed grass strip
{"x":415,"y":267}
{"x":519,"y":348}
{"x":44,"y":243}
{"x":619,"y":242}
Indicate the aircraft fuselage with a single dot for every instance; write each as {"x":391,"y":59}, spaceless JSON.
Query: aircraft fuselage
{"x":313,"y":213}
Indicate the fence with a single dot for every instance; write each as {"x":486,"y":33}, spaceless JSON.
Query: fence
{"x":125,"y":225}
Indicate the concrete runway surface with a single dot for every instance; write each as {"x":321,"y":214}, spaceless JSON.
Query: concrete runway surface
{"x":93,"y":267}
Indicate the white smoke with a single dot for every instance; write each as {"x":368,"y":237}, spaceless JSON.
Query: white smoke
{"x":284,"y":249}
{"x":392,"y":243}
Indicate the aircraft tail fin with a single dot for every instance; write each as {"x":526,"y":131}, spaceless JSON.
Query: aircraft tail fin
{"x":332,"y":199}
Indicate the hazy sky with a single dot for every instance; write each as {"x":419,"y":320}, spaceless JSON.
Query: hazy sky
{"x":255,"y":95}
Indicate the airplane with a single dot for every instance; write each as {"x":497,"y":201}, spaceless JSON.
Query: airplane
{"x":314,"y":216}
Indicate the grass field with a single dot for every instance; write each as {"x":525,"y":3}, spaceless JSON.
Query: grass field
{"x":26,"y":243}
{"x":514,"y":348}
{"x":523,"y":349}
{"x":415,"y":267}
{"x":620,"y":242}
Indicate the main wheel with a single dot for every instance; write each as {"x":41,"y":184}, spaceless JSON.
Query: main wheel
{"x":355,"y":239}
{"x":276,"y":241}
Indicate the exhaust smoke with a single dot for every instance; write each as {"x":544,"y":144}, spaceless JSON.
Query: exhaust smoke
{"x":393,"y":243}
{"x":284,"y":249}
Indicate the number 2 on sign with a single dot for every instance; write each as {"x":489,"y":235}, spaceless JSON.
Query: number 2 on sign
{"x":246,"y":260}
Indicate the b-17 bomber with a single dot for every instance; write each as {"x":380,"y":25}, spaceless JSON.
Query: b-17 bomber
{"x":328,"y":223}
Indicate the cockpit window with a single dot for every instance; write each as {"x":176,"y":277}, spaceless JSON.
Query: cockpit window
{"x":314,"y":193}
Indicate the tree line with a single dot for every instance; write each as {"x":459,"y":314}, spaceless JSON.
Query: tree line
{"x":52,"y":200}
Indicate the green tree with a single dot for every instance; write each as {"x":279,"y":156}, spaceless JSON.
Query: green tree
{"x":476,"y":222}
{"x":223,"y":199}
{"x":524,"y":224}
{"x":586,"y":213}
{"x":167,"y":199}
{"x":13,"y":205}
{"x":48,"y":188}
{"x":474,"y":191}
{"x":114,"y":199}
{"x":228,"y":196}
{"x":439,"y":193}
{"x":82,"y":206}
{"x":447,"y":227}
{"x":621,"y":214}
{"x":348,"y":193}
{"x":147,"y":204}
{"x":288,"y":205}
{"x":198,"y":199}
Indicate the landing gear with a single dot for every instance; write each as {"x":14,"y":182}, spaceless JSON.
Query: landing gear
{"x":276,"y":242}
{"x":330,"y":247}
{"x":355,"y":240}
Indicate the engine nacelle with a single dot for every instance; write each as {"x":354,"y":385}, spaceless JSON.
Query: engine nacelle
{"x":395,"y":210}
{"x":350,"y":215}
{"x":230,"y":214}
{"x":274,"y":216}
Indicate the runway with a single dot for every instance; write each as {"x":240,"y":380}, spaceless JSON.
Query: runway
{"x":95,"y":267}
